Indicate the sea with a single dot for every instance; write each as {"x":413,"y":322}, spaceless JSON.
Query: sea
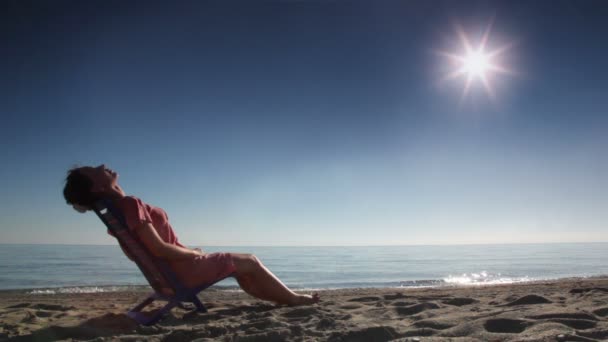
{"x":51,"y":269}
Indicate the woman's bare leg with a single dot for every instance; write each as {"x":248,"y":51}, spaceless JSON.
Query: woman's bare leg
{"x":258,"y":281}
{"x":245,"y":282}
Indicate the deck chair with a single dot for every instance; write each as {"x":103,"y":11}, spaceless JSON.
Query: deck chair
{"x":162,"y":279}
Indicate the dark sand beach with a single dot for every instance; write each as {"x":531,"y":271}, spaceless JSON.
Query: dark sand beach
{"x":565,"y":310}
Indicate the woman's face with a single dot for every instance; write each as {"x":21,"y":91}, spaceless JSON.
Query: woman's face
{"x":102,"y":177}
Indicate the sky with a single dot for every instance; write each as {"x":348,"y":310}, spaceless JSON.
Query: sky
{"x":308,"y":122}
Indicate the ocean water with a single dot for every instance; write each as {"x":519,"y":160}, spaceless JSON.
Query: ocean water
{"x":88,"y":268}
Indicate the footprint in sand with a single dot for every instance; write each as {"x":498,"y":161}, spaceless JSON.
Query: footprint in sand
{"x":44,"y":314}
{"x":416,"y":308}
{"x":433,"y":324}
{"x":459,"y":301}
{"x":403,"y":303}
{"x":504,"y":325}
{"x":603,"y":312}
{"x":528,"y":300}
{"x":601,"y":335}
{"x":395,"y":296}
{"x":588,"y":289}
{"x":581,"y":324}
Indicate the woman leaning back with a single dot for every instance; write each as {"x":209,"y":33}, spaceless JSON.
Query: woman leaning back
{"x":86,"y":185}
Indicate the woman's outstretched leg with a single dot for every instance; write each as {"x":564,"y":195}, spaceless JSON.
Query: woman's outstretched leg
{"x":258,"y":281}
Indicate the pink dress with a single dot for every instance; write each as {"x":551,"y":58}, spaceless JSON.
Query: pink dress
{"x":198,"y":270}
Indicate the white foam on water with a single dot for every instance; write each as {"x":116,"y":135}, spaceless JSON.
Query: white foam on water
{"x":83,"y":289}
{"x":484,"y":278}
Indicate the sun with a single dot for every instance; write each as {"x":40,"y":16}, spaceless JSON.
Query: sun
{"x":476,"y":63}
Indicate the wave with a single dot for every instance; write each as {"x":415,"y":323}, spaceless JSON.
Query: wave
{"x":84,"y":289}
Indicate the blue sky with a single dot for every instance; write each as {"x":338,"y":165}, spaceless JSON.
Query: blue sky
{"x":307,"y":122}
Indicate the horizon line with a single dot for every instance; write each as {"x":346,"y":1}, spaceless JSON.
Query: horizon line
{"x":354,"y":245}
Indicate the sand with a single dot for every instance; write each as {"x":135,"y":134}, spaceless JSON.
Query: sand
{"x":566,"y":310}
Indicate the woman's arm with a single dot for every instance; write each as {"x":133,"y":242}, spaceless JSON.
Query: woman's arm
{"x":155,"y":244}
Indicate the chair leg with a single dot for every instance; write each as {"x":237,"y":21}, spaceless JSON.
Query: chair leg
{"x":145,"y":303}
{"x":149,"y":320}
{"x":143,"y":319}
{"x":199,"y":306}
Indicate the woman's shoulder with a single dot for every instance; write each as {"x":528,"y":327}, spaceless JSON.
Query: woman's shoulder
{"x":129,"y":198}
{"x":131,"y":201}
{"x":134,"y":210}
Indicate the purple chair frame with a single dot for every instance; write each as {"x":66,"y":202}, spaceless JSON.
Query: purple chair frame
{"x":162,"y":279}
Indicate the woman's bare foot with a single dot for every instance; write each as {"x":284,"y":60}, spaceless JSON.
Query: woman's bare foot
{"x":302,"y":299}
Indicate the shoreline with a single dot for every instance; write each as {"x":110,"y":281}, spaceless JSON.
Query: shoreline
{"x":113,"y":288}
{"x":532,"y":311}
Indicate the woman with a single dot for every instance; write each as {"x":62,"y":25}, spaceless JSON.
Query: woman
{"x":86,"y":185}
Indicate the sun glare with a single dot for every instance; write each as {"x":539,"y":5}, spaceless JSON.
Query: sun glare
{"x":476,"y":64}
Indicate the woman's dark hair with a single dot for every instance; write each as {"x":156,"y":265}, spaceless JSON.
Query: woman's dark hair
{"x":77,"y":189}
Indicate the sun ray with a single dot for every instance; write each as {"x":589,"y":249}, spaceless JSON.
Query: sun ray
{"x":501,"y":50}
{"x":488,"y":87}
{"x":452,"y":56}
{"x":452,"y":75}
{"x":465,"y":90}
{"x":486,"y":35}
{"x":467,"y":86}
{"x":500,"y":69}
{"x":463,"y":38}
